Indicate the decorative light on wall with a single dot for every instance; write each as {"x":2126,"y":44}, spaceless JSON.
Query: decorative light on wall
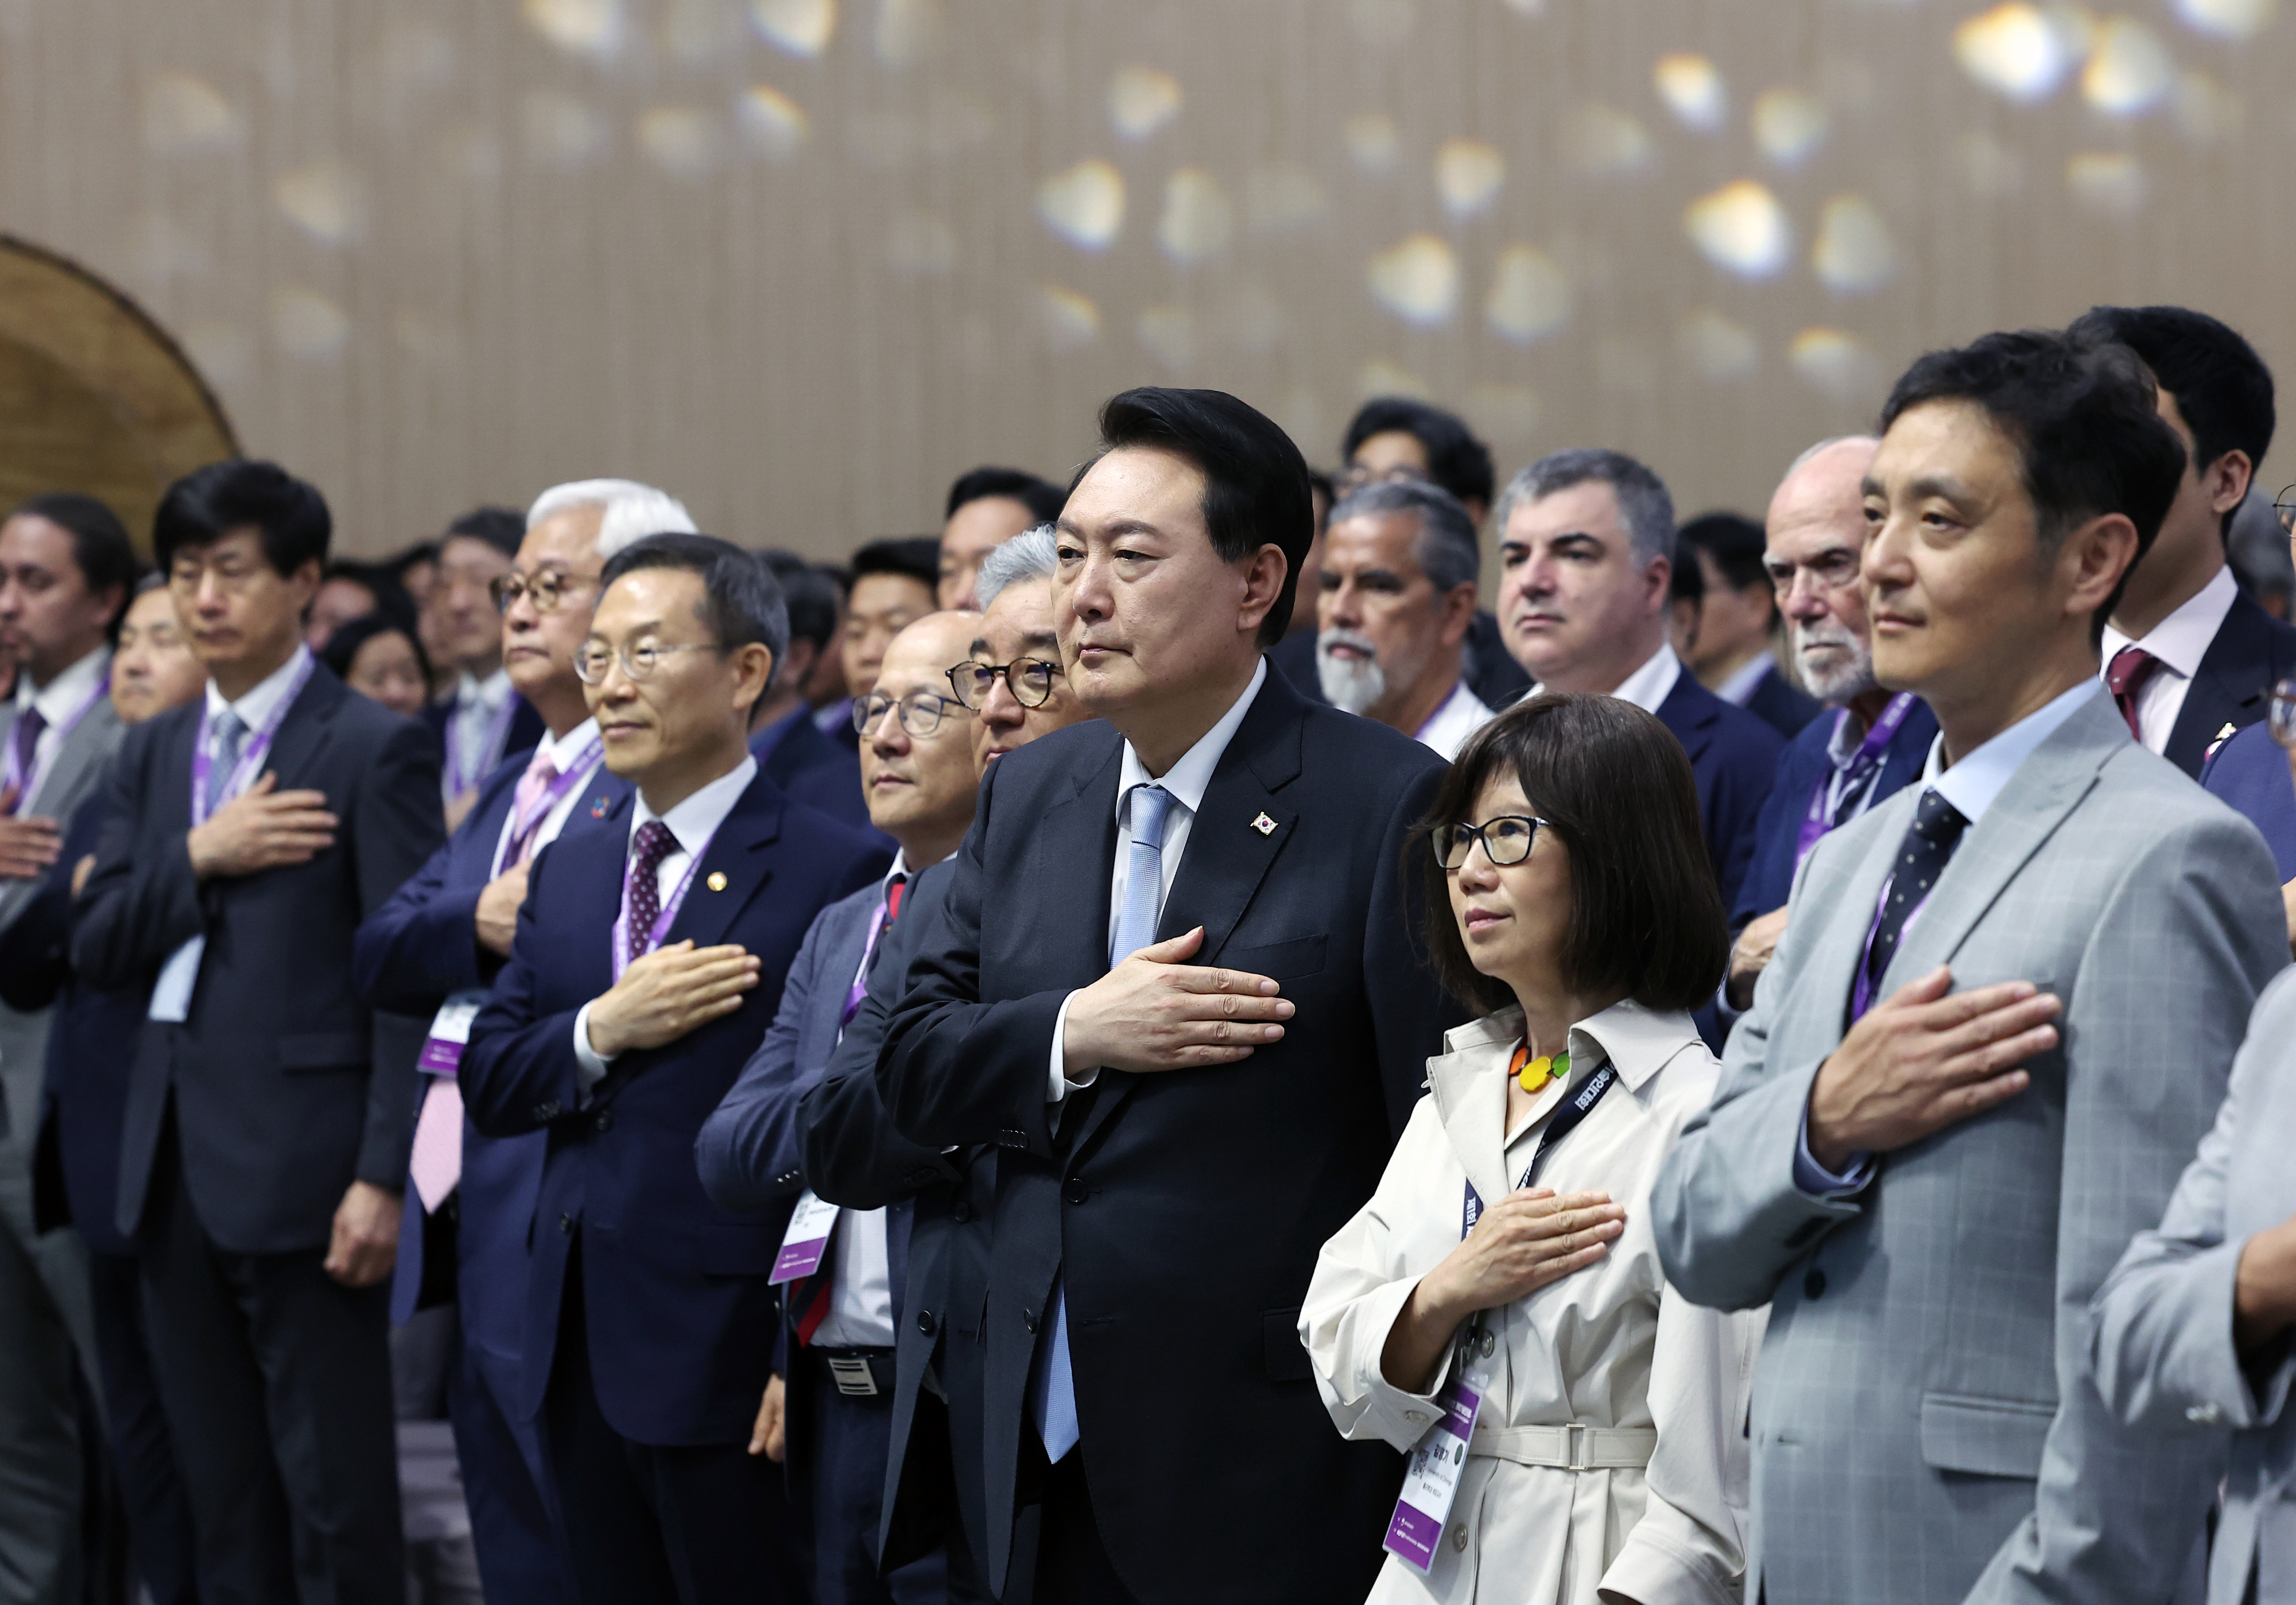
{"x":1741,"y":227}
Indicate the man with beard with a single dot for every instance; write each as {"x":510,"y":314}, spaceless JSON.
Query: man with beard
{"x":1396,"y":597}
{"x":1873,"y":744}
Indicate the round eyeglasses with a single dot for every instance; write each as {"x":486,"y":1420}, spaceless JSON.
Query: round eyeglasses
{"x":1029,"y":679}
{"x":2282,"y":714}
{"x":546,"y":590}
{"x":592,"y":659}
{"x":1506,"y":841}
{"x":920,"y":712}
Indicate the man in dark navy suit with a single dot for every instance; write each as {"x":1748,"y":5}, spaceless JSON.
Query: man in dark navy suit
{"x":1871,"y":745}
{"x":811,"y":767}
{"x":433,"y":950}
{"x":2188,"y":655}
{"x":1175,"y":985}
{"x":1735,"y":654}
{"x":648,"y":959}
{"x":2253,"y":774}
{"x":1587,"y":553}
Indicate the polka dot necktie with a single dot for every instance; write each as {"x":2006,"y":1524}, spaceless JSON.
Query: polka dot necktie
{"x":653,"y":844}
{"x":1936,"y":831}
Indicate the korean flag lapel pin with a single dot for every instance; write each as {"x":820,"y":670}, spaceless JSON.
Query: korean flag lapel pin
{"x":1264,"y":825}
{"x":599,"y":805}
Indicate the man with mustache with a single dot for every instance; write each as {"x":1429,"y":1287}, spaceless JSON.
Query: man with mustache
{"x":1395,"y":598}
{"x":1875,"y":742}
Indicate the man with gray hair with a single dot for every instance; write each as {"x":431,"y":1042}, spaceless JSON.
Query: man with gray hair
{"x":1586,"y":559}
{"x":1397,"y":598}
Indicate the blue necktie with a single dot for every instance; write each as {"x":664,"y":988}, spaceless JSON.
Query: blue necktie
{"x":1136,"y":928}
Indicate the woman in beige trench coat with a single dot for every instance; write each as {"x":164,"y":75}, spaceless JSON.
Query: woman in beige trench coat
{"x":1607,"y":1460}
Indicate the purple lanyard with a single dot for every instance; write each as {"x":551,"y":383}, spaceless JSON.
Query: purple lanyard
{"x":26,"y":782}
{"x":525,"y":827}
{"x":458,"y":783}
{"x":622,"y":954}
{"x":859,"y":989}
{"x":250,"y":757}
{"x":1857,"y":775}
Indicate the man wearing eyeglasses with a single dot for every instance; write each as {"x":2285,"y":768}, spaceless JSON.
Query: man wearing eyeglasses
{"x":1874,"y":743}
{"x":483,"y":720}
{"x":433,"y":950}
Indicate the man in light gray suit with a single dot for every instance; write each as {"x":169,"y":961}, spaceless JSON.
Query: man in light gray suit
{"x":66,"y":569}
{"x":2190,"y":1333}
{"x":2002,"y":1012}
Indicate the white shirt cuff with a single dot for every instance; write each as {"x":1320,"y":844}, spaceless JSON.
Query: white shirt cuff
{"x":590,"y":1065}
{"x":1059,"y":1087}
{"x":1817,"y":1180}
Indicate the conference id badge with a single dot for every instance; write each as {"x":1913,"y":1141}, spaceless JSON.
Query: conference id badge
{"x":806,"y":1244}
{"x":450,"y":1034}
{"x":1439,"y":1460}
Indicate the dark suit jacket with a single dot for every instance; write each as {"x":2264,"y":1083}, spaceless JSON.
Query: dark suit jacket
{"x":1781,"y":705}
{"x":814,"y":769}
{"x":2252,"y":649}
{"x":411,"y":956}
{"x":1184,"y":1212}
{"x":2250,"y":773}
{"x":526,"y":727}
{"x":1735,"y":756}
{"x":1777,"y":830}
{"x":680,"y":1320}
{"x":286,"y":1087}
{"x":92,"y":1040}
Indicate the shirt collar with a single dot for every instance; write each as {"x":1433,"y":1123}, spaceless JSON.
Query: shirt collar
{"x":490,"y":693}
{"x":1640,"y":1042}
{"x":1744,"y":679}
{"x":261,"y":702}
{"x":1971,"y":784}
{"x":565,"y":749}
{"x":1653,"y":683}
{"x":696,"y":819}
{"x":1462,"y":705}
{"x":1189,"y":779}
{"x":62,"y":697}
{"x":2181,"y":640}
{"x":898,"y":870}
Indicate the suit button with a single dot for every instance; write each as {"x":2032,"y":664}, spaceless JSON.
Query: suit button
{"x":605,"y":1119}
{"x":1029,"y":1319}
{"x":1077,"y":1191}
{"x":1813,"y":1286}
{"x":1459,"y":1538}
{"x":961,"y":1213}
{"x":926,"y":1323}
{"x":566,"y":1225}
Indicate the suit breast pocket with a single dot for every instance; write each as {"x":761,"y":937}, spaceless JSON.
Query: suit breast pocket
{"x":1277,"y":961}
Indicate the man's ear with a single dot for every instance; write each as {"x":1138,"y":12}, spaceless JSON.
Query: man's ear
{"x":2226,"y":481}
{"x":1263,"y":583}
{"x":2096,"y":559}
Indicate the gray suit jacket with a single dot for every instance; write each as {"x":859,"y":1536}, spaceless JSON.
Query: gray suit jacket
{"x":1926,"y":1425}
{"x":24,"y":1037}
{"x":2162,"y":1328}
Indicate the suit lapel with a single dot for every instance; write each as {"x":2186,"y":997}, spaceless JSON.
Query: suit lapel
{"x":2228,"y":688}
{"x":1837,"y":935}
{"x":1473,"y":1101}
{"x":734,"y":869}
{"x":65,"y":782}
{"x":305,"y":731}
{"x":1688,"y":713}
{"x":1076,"y":862}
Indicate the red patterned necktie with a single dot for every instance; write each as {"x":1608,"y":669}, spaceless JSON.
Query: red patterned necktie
{"x":2125,"y":678}
{"x":653,"y":844}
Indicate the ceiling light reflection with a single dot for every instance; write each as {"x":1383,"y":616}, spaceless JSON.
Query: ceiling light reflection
{"x":1468,"y":173}
{"x":183,"y":112}
{"x":678,"y":140}
{"x":1603,"y":142}
{"x":1854,"y":252}
{"x":1084,"y":204}
{"x":2228,"y":18}
{"x":1068,"y":319}
{"x":594,"y":27}
{"x":1198,"y":222}
{"x":2013,"y":50}
{"x":1789,"y":126}
{"x":307,"y":325}
{"x":2129,"y":71}
{"x":1142,"y":100}
{"x":1835,"y":363}
{"x":798,"y":27}
{"x":775,"y":126}
{"x":2109,"y":182}
{"x":323,"y":200}
{"x":1417,"y":279}
{"x":1742,"y":228}
{"x":1530,"y":296}
{"x":1715,"y":347}
{"x":1692,"y":89}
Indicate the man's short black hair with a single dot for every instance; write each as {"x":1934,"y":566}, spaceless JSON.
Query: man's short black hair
{"x":1735,"y":542}
{"x":209,"y":502}
{"x":1455,"y":460}
{"x":393,"y":599}
{"x":741,"y":600}
{"x":914,"y":556}
{"x":1255,"y":480}
{"x":1615,"y":786}
{"x":810,"y":595}
{"x":2223,"y":389}
{"x":102,"y":548}
{"x":342,"y":648}
{"x":1041,"y":498}
{"x":500,"y":527}
{"x":2081,"y":413}
{"x":1686,"y":581}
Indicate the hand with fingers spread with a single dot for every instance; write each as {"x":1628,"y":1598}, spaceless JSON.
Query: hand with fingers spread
{"x":28,"y":846}
{"x":1527,"y":1239}
{"x":263,"y":827}
{"x":1156,"y":1011}
{"x":1923,"y":1060}
{"x":668,"y":993}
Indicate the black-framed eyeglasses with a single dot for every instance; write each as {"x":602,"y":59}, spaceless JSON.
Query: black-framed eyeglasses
{"x":2283,"y":507}
{"x":920,"y":712}
{"x":592,"y":659}
{"x":2281,"y":713}
{"x":1506,"y":841}
{"x":546,"y":590}
{"x":1029,"y":679}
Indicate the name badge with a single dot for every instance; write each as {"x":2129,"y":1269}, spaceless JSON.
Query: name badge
{"x":1438,"y":1462}
{"x":806,"y":1243}
{"x":450,"y":1034}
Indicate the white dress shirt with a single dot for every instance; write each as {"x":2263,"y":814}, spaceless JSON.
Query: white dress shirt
{"x":693,"y":822}
{"x":2180,"y":641}
{"x":473,"y":724}
{"x":1187,"y":781}
{"x":1648,"y":686}
{"x":860,"y":1313}
{"x":1461,"y":713}
{"x":57,"y":702}
{"x":562,"y":750}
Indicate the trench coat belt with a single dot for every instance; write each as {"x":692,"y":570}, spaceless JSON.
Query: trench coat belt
{"x":1571,"y":1448}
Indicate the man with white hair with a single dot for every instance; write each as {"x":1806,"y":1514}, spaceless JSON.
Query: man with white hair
{"x":1396,"y":597}
{"x":433,"y":950}
{"x":1873,"y":743}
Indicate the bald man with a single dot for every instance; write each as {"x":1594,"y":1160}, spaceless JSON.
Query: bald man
{"x":1871,"y":744}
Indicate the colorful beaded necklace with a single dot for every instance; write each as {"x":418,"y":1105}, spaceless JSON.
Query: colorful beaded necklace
{"x":1536,"y":1073}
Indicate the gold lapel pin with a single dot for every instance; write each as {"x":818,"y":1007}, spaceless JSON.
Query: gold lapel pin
{"x":1264,"y":825}
{"x":716,"y":881}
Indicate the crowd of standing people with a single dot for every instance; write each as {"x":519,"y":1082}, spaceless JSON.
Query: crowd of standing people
{"x":1150,"y":1047}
